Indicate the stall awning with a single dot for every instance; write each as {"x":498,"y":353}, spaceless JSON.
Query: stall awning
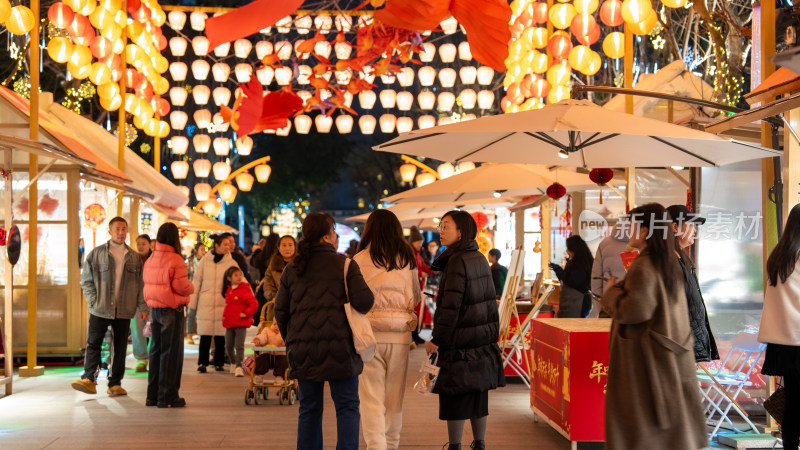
{"x":530,"y":201}
{"x":171,"y":213}
{"x":41,"y":149}
{"x":781,"y":82}
{"x":752,"y":115}
{"x":200,"y":222}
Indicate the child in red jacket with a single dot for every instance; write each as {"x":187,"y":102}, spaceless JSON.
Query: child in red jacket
{"x":240,"y":305}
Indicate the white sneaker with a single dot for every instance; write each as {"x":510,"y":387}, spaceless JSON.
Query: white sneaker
{"x":238,"y":372}
{"x":233,"y":368}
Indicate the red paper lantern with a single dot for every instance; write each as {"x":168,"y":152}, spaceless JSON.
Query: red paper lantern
{"x":556,"y":191}
{"x":559,"y":46}
{"x":611,"y":13}
{"x":101,"y":47}
{"x":112,"y":61}
{"x":481,"y":219}
{"x":590,"y":38}
{"x":133,"y":6}
{"x":94,"y":215}
{"x":60,"y":15}
{"x":539,"y":12}
{"x":79,"y":26}
{"x":515,"y":94}
{"x":539,"y":87}
{"x":2,"y":237}
{"x":161,"y":106}
{"x":506,"y":103}
{"x":526,"y":85}
{"x":585,"y":29}
{"x":601,"y":176}
{"x":143,"y":14}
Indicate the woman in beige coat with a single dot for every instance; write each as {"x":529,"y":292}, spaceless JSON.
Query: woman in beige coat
{"x":652,"y":399}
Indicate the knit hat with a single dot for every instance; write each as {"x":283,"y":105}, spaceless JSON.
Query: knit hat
{"x":414,"y":235}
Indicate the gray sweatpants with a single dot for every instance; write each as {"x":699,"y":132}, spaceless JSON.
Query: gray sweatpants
{"x":234,"y":340}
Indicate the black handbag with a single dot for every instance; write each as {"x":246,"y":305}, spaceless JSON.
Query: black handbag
{"x":776,"y":404}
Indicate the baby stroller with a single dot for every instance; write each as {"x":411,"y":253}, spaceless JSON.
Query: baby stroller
{"x":258,"y":392}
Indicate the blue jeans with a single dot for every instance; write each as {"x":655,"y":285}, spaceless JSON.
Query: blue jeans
{"x":166,"y":355}
{"x":138,"y":339}
{"x":309,"y":425}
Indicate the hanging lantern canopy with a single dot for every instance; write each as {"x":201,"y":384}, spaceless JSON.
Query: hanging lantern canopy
{"x":202,"y":118}
{"x":201,"y":142}
{"x":177,"y":46}
{"x":342,"y":77}
{"x":344,"y":124}
{"x":557,"y":93}
{"x":367,"y":99}
{"x":245,"y":181}
{"x":468,"y":98}
{"x":426,"y":100}
{"x":201,"y":93}
{"x":227,"y":192}
{"x":611,"y":13}
{"x":222,"y":50}
{"x":324,"y":23}
{"x":222,"y":146}
{"x":200,"y":45}
{"x":323,"y":123}
{"x":302,"y":123}
{"x":201,"y":191}
{"x":221,"y":170}
{"x":485,"y":75}
{"x":539,"y":88}
{"x":556,"y":191}
{"x":81,"y":56}
{"x":446,"y":101}
{"x":425,"y":178}
{"x":601,"y":177}
{"x":408,"y":172}
{"x":367,"y":124}
{"x":387,"y":123}
{"x":201,"y":167}
{"x":465,"y":166}
{"x":426,"y":75}
{"x":405,"y":76}
{"x":244,"y":145}
{"x":447,"y":77}
{"x":428,"y":52}
{"x":485,"y":99}
{"x":283,"y":50}
{"x":674,"y":3}
{"x":180,"y":145}
{"x":177,"y":96}
{"x":447,"y":53}
{"x":445,"y":170}
{"x":101,"y":74}
{"x":180,"y":169}
{"x":243,"y":72}
{"x":200,"y":69}
{"x":538,"y":12}
{"x":426,"y":121}
{"x":221,"y":71}
{"x":262,"y":172}
{"x":404,"y":100}
{"x":468,"y":74}
{"x":404,"y":124}
{"x":197,"y":20}
{"x":178,"y":120}
{"x":614,"y":45}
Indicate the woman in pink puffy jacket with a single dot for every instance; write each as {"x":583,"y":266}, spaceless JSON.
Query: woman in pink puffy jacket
{"x":166,"y":291}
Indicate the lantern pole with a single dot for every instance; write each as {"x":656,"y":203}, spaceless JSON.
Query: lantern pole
{"x":31,"y":369}
{"x":157,"y":147}
{"x":244,"y":168}
{"x":123,"y":89}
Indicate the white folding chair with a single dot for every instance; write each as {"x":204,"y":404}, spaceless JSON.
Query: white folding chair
{"x":721,"y":388}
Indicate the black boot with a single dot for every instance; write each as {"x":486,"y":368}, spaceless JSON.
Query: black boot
{"x":452,"y":446}
{"x":478,"y":445}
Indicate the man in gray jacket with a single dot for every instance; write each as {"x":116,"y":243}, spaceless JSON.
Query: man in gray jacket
{"x":112,"y":283}
{"x":608,"y":263}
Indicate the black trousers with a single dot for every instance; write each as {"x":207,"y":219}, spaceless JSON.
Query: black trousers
{"x":166,"y":355}
{"x":94,"y":342}
{"x":790,"y":428}
{"x":205,"y":348}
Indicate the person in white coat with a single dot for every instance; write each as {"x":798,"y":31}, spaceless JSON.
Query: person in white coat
{"x":780,"y":324}
{"x":388,"y":265}
{"x":209,"y":302}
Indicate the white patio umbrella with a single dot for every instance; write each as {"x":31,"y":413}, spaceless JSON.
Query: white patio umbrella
{"x":495,"y":180}
{"x":574,"y":133}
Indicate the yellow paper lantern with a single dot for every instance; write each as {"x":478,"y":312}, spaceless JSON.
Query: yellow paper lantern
{"x":537,"y":36}
{"x":101,"y":18}
{"x":594,"y":65}
{"x":646,"y":26}
{"x":101,"y":74}
{"x":81,"y":56}
{"x":86,"y":8}
{"x":674,"y":3}
{"x":579,"y":57}
{"x":79,"y":72}
{"x":112,"y":32}
{"x":245,"y":181}
{"x":539,"y":63}
{"x":586,"y":6}
{"x":20,"y":21}
{"x":111,"y":5}
{"x":557,"y":93}
{"x":111,"y":103}
{"x":108,"y":90}
{"x":263,"y":171}
{"x":161,"y":86}
{"x":559,"y":74}
{"x":5,"y":10}
{"x":227,"y":192}
{"x":160,"y":63}
{"x":614,"y":45}
{"x":561,"y":15}
{"x":140,"y":123}
{"x":636,"y":11}
{"x":118,"y":47}
{"x":59,"y":48}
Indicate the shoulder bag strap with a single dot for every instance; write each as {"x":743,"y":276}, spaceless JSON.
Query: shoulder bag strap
{"x":346,"y":267}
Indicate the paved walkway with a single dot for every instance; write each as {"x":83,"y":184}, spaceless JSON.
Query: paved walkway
{"x":45,"y":412}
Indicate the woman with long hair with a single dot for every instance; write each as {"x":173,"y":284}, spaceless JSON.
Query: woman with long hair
{"x":574,"y":301}
{"x":388,"y":265}
{"x":309,"y":309}
{"x":465,"y":331}
{"x":166,"y":291}
{"x":284,"y":254}
{"x":198,"y":251}
{"x":209,"y":301}
{"x":780,"y":324}
{"x":652,"y":400}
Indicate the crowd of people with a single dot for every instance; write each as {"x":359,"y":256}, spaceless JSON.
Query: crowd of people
{"x":659,"y":323}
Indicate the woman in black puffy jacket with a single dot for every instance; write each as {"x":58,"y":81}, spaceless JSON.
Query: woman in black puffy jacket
{"x":309,"y":309}
{"x":465,"y":331}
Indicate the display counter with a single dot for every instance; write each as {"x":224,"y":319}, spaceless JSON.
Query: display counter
{"x":570,"y":359}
